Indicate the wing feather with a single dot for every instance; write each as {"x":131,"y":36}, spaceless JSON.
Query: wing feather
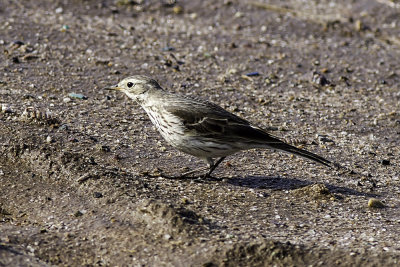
{"x":213,"y":121}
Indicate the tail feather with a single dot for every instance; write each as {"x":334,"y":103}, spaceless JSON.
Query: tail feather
{"x":300,"y":152}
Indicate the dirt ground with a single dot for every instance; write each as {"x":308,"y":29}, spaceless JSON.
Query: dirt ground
{"x":79,"y":164}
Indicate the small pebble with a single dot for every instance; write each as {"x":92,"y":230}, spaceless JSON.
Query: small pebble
{"x":97,"y":195}
{"x":185,"y":200}
{"x":358,"y":25}
{"x":5,"y":108}
{"x":18,"y":42}
{"x":63,"y":127}
{"x":232,"y":71}
{"x":319,"y":79}
{"x":177,"y":9}
{"x":103,"y":148}
{"x":251,"y":74}
{"x":78,"y":96}
{"x":168,"y":48}
{"x":323,"y":138}
{"x":78,"y":214}
{"x":375,"y":203}
{"x":49,"y":139}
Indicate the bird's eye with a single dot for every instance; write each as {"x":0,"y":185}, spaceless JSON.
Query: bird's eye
{"x":129,"y":84}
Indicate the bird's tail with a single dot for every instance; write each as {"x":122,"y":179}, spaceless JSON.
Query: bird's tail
{"x":300,"y":152}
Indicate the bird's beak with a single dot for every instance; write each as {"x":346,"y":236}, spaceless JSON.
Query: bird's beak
{"x":113,"y":87}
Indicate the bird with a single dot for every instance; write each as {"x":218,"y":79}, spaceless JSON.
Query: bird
{"x":200,"y":128}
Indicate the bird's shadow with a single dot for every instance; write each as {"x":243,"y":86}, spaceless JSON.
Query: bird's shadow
{"x":273,"y":183}
{"x":286,"y":183}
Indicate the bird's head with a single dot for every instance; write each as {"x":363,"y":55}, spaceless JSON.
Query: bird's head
{"x":135,"y":86}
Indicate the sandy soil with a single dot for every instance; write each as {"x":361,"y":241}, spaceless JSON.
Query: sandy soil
{"x":79,"y":164}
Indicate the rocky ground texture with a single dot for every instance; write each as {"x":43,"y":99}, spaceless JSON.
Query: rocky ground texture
{"x":79,"y":164}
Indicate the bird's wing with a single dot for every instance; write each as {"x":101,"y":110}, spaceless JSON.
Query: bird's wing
{"x":212,"y":121}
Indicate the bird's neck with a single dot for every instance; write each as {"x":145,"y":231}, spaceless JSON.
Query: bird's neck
{"x":151,"y":97}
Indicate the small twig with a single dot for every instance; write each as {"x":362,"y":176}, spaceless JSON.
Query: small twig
{"x":86,"y":177}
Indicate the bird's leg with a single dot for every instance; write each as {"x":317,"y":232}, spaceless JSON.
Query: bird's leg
{"x":213,"y":165}
{"x":210,"y":162}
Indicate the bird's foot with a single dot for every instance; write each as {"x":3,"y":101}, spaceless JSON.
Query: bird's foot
{"x":188,"y":173}
{"x":156,"y":173}
{"x":159,"y":173}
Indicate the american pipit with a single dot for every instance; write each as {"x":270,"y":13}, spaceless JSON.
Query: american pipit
{"x":200,"y":128}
